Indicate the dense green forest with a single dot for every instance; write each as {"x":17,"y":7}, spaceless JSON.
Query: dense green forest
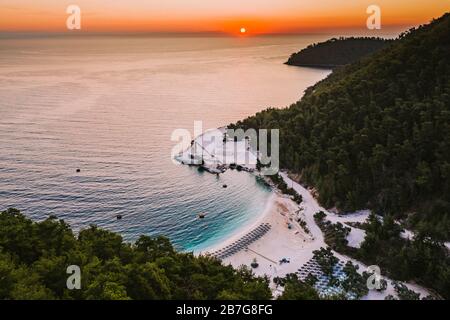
{"x":420,"y":259}
{"x":336,"y":52}
{"x":34,"y":257}
{"x":376,"y":133}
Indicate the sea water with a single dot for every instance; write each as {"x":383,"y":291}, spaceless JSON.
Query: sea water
{"x":107,"y":105}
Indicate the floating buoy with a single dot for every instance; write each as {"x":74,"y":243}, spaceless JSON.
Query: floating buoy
{"x":78,"y":170}
{"x":224,"y":186}
{"x":119,"y":217}
{"x":201,"y":216}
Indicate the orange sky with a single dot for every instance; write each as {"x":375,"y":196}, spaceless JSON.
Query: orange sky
{"x":257,"y":16}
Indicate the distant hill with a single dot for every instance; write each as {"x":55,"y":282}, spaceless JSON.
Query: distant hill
{"x":336,"y":52}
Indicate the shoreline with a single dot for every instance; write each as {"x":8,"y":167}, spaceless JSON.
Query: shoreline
{"x":281,"y":241}
{"x":286,"y":246}
{"x":293,"y":244}
{"x":241,"y":231}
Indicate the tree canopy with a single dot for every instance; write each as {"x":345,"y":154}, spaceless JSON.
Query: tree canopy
{"x":34,"y":257}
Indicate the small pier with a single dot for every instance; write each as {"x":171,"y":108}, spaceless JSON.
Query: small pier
{"x":215,"y":153}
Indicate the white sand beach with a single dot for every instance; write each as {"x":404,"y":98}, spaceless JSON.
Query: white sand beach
{"x":276,"y":234}
{"x":295,"y":244}
{"x":278,"y":243}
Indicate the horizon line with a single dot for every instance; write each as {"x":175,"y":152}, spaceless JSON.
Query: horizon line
{"x":217,"y":33}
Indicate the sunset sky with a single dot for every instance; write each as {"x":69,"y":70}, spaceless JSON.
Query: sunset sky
{"x":229,"y":16}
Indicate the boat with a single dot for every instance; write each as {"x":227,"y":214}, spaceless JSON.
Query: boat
{"x":189,"y":158}
{"x":212,"y":170}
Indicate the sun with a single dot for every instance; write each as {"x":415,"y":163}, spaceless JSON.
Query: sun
{"x":243,"y":30}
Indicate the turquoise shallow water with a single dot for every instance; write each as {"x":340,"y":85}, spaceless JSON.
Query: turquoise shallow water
{"x":109,"y":105}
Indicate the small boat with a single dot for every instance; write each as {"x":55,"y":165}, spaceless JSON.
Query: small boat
{"x":201,"y":215}
{"x":224,"y":186}
{"x":119,"y":217}
{"x":78,"y":170}
{"x":212,"y":170}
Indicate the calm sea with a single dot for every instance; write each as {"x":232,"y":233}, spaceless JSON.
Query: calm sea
{"x":108,"y":106}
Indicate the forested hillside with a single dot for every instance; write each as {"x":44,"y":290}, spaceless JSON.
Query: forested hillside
{"x":336,"y":52}
{"x":376,"y":133}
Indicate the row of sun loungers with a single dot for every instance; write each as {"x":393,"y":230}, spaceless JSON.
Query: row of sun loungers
{"x":243,"y":242}
{"x":322,"y":285}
